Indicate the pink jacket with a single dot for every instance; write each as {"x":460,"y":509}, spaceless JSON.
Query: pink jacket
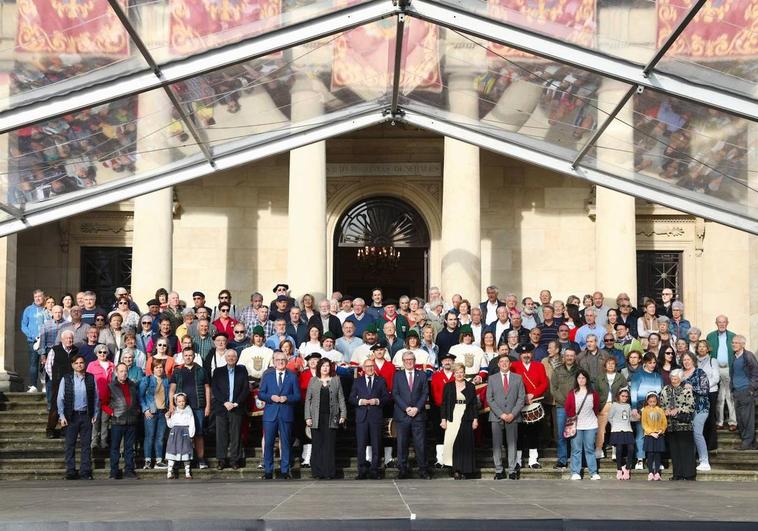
{"x":103,"y":377}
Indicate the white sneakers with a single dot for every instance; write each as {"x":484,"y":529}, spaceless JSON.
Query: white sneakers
{"x":575,"y":477}
{"x":704,"y":467}
{"x":32,"y":389}
{"x":638,"y":466}
{"x":595,"y":477}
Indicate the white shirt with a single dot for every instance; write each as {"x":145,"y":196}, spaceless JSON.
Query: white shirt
{"x":491,"y":316}
{"x":335,"y":356}
{"x":500,"y":328}
{"x":422,"y":358}
{"x":476,"y":361}
{"x":477,"y":330}
{"x":342,"y":315}
{"x":256,"y":360}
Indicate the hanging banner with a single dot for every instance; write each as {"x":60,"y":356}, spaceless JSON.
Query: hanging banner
{"x":199,"y":25}
{"x":70,"y":27}
{"x":722,"y":28}
{"x":364,"y":59}
{"x":571,"y":21}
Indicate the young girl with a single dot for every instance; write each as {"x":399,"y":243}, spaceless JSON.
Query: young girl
{"x":179,"y":447}
{"x":622,"y":436}
{"x":654,"y":427}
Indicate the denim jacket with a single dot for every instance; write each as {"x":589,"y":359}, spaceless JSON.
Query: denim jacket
{"x":147,"y":392}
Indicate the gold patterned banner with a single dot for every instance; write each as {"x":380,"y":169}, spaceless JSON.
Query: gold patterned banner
{"x":199,"y":25}
{"x":722,"y":28}
{"x":70,"y":27}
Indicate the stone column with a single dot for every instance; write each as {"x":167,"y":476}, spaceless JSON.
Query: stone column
{"x":9,"y":380}
{"x":752,"y":165}
{"x":460,"y":245}
{"x":306,"y":259}
{"x":615,"y":213}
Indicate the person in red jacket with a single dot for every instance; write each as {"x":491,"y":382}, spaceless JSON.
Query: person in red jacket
{"x":439,"y":379}
{"x":305,"y":379}
{"x":535,"y":384}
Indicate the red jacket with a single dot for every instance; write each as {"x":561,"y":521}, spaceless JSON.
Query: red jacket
{"x":387,"y":372}
{"x":305,"y":379}
{"x":438,"y":384}
{"x":228,"y":329}
{"x":535,"y":380}
{"x":571,"y":405}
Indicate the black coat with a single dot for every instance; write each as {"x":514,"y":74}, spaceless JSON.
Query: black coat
{"x":449,"y":398}
{"x":360,"y":391}
{"x":220,"y":389}
{"x":335,"y":327}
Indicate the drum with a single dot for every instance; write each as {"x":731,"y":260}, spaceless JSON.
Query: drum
{"x":390,"y":429}
{"x":481,"y":396}
{"x":256,"y":405}
{"x":532,"y":413}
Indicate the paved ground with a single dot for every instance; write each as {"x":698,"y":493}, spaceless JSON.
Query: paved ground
{"x":369,"y":505}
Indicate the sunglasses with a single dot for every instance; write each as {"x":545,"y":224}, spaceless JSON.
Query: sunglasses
{"x":239,"y":331}
{"x":146,"y":323}
{"x":669,"y":353}
{"x":224,"y":310}
{"x":161,"y":345}
{"x":123,"y":302}
{"x":100,"y":319}
{"x":102,"y":352}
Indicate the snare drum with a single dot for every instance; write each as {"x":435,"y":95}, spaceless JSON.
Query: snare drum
{"x":390,"y":429}
{"x":532,"y":413}
{"x":481,"y":396}
{"x":256,"y":405}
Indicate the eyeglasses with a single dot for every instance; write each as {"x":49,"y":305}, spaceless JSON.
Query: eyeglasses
{"x":146,"y":323}
{"x":161,"y":345}
{"x":669,"y":353}
{"x":224,"y":310}
{"x":608,"y":339}
{"x":102,"y":352}
{"x":99,"y":318}
{"x":239,"y":331}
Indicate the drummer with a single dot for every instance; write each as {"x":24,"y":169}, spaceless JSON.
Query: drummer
{"x":471,"y":356}
{"x":439,"y":379}
{"x":386,"y":370}
{"x":535,"y":384}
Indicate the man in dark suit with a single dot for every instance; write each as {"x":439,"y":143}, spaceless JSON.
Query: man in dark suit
{"x":410,"y":391}
{"x":325,"y":321}
{"x":490,"y":306}
{"x":369,"y":395}
{"x":280,"y":391}
{"x":230,"y":393}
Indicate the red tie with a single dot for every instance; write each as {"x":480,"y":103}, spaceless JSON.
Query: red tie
{"x":410,"y":381}
{"x":505,"y":384}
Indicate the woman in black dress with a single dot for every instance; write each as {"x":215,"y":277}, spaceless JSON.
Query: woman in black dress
{"x":324,"y":411}
{"x":459,"y":420}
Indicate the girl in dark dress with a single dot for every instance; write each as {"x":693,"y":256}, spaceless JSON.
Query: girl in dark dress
{"x":459,"y":420}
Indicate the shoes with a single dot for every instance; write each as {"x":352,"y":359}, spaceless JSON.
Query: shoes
{"x":650,"y":476}
{"x":719,"y":427}
{"x":742,"y":448}
{"x":639,"y":465}
{"x":575,"y":477}
{"x":535,"y":466}
{"x":220,"y":465}
{"x":130,"y":474}
{"x":625,"y":473}
{"x":115,"y":475}
{"x":160,"y":463}
{"x":268,"y":476}
{"x":50,"y":435}
{"x":72,"y":475}
{"x":661,"y":467}
{"x":426,"y":475}
{"x":86,"y":476}
{"x":235,"y":466}
{"x":703,"y":467}
{"x":619,"y":474}
{"x":202,"y":464}
{"x":499,"y":476}
{"x":32,"y":389}
{"x":595,"y":477}
{"x":361,"y":476}
{"x":403,"y":475}
{"x":187,"y":474}
{"x":392,"y":463}
{"x":657,"y":477}
{"x":260,"y":466}
{"x":146,"y":465}
{"x":457,"y":475}
{"x":285,"y":475}
{"x":170,"y":474}
{"x":305,"y":465}
{"x":514,"y":476}
{"x":560,"y":466}
{"x":438,"y":465}
{"x":374,"y":475}
{"x":732,"y":427}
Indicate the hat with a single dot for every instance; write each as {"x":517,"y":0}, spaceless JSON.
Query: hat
{"x":153,"y":302}
{"x":328,"y":335}
{"x":520,"y":349}
{"x":411,"y":333}
{"x":346,"y":298}
{"x":447,"y":356}
{"x":198,"y":294}
{"x":379,"y":344}
{"x":285,"y":286}
{"x":313,"y":355}
{"x":282,"y":298}
{"x":466,"y":329}
{"x":389,"y":302}
{"x":258,"y":331}
{"x":371,"y":328}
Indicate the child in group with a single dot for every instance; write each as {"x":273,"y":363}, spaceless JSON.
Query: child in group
{"x":179,"y":446}
{"x":622,"y":436}
{"x":654,"y":427}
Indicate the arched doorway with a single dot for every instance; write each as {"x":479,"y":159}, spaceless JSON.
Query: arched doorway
{"x":381,"y":222}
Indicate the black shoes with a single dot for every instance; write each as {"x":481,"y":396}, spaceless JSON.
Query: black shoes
{"x":515,"y":475}
{"x":424,"y":475}
{"x":403,"y":475}
{"x":130,"y":474}
{"x":499,"y":476}
{"x":72,"y":475}
{"x":560,"y":466}
{"x":115,"y":475}
{"x":285,"y":476}
{"x":268,"y":476}
{"x":374,"y":475}
{"x":220,"y":465}
{"x":86,"y":476}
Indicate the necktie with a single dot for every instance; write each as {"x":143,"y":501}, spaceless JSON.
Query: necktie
{"x":410,"y":381}
{"x":281,"y":378}
{"x":505,"y":384}
{"x":370,"y":382}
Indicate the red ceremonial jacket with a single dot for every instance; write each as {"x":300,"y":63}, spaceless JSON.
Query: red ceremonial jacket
{"x":535,"y":379}
{"x":387,"y":372}
{"x":305,"y":379}
{"x":438,"y":384}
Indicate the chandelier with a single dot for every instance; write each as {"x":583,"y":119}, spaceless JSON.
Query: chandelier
{"x":378,"y":258}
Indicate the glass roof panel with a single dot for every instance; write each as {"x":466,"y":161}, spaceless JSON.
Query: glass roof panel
{"x":50,"y":47}
{"x":293,"y":90}
{"x":718,"y":48}
{"x":617,"y":27}
{"x":690,"y":150}
{"x":500,"y":91}
{"x":90,"y":148}
{"x":172,"y":29}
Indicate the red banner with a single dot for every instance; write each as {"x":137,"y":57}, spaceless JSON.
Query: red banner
{"x":199,"y":25}
{"x":364,"y":58}
{"x":71,"y":27}
{"x":568,"y":20}
{"x":722,"y":28}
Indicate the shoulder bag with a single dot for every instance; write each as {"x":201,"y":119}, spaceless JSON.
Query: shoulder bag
{"x":569,"y":429}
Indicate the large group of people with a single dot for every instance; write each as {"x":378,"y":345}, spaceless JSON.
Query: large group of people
{"x":591,"y":379}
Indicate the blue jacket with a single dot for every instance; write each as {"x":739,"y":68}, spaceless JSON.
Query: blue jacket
{"x":644,"y":382}
{"x":147,"y":392}
{"x":31,"y":321}
{"x":269,"y":387}
{"x":360,"y":391}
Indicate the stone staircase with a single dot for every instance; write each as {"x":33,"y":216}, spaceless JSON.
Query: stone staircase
{"x":25,"y":453}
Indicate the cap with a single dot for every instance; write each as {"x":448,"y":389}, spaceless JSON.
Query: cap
{"x":346,"y":298}
{"x":328,"y":335}
{"x":282,"y":298}
{"x":313,"y":355}
{"x":466,"y":329}
{"x":153,"y":302}
{"x":371,"y":328}
{"x":619,"y":323}
{"x":285,"y":286}
{"x":198,"y":294}
{"x":389,"y":302}
{"x":379,"y":344}
{"x":520,"y":349}
{"x":259,"y":331}
{"x":447,"y":356}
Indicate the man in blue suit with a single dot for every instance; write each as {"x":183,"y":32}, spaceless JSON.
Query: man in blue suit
{"x":369,"y":395}
{"x":280,"y":391}
{"x":410,"y":391}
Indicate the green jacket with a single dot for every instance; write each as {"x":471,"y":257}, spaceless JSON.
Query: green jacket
{"x":563,"y":382}
{"x":601,"y":387}
{"x":713,"y":343}
{"x":634,"y":345}
{"x":401,"y":327}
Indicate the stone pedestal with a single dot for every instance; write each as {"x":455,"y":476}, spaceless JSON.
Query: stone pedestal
{"x":306,"y":258}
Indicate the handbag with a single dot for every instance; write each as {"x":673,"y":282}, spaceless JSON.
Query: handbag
{"x":569,"y":429}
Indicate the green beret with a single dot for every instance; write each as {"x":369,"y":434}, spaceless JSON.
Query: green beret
{"x":328,"y":335}
{"x":258,"y":331}
{"x":466,"y":329}
{"x":411,"y":333}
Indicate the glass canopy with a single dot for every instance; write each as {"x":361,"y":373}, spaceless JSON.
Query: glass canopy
{"x":103,"y":100}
